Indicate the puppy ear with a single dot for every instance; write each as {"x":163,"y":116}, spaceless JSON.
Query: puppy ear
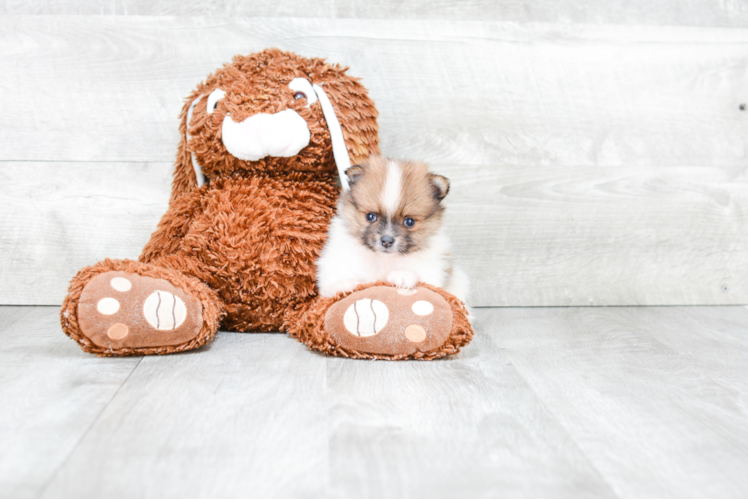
{"x":354,"y":173}
{"x":440,"y":185}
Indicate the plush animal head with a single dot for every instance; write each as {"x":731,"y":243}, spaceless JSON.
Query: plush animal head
{"x":274,"y":112}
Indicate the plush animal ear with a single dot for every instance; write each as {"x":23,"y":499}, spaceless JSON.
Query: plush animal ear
{"x":187,"y":173}
{"x":354,"y":173}
{"x":347,"y":108}
{"x":440,"y":185}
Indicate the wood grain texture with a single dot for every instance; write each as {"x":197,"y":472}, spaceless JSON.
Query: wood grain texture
{"x":262,"y":416}
{"x":601,"y":235}
{"x":464,"y":427}
{"x":552,"y":402}
{"x":50,"y":394}
{"x":589,"y":236}
{"x":58,"y":217}
{"x":591,"y":165}
{"x":450,"y":92}
{"x":667,"y":13}
{"x":241,"y":417}
{"x":654,"y":397}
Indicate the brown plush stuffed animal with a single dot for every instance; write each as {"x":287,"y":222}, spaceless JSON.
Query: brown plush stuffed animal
{"x":264,"y":140}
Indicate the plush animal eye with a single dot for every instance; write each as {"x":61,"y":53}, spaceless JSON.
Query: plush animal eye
{"x":303,"y":89}
{"x":213,"y":99}
{"x":371,"y":216}
{"x":409,"y":222}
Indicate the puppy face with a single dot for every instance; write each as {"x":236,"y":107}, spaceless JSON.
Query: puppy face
{"x":393,"y":207}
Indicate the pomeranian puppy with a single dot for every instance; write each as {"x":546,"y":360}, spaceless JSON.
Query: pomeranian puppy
{"x":388,"y":227}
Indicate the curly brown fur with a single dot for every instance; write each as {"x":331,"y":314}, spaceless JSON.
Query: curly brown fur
{"x":310,"y":328}
{"x":253,"y":240}
{"x":246,"y":243}
{"x":268,"y":74}
{"x":254,"y":232}
{"x":212,"y":310}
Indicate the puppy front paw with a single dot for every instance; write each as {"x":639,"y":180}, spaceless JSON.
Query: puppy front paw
{"x":340,"y":286}
{"x":402,"y":279}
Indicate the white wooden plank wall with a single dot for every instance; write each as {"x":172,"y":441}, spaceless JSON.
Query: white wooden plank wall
{"x":597,"y":149}
{"x":662,"y":13}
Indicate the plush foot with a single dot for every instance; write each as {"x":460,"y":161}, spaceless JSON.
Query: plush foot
{"x":340,"y":286}
{"x":385,"y":321}
{"x":119,"y":310}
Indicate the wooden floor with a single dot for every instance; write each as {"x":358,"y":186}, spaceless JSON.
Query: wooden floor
{"x":583,"y":402}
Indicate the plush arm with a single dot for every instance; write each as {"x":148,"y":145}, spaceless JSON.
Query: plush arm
{"x":175,"y":223}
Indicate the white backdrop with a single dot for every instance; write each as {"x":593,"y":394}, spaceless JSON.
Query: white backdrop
{"x":597,"y":150}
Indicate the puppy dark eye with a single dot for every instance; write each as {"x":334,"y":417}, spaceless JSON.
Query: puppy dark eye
{"x":371,"y":216}
{"x":299,"y":95}
{"x":409,"y":222}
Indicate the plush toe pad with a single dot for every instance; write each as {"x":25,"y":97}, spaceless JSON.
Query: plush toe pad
{"x":119,"y":310}
{"x":388,"y":320}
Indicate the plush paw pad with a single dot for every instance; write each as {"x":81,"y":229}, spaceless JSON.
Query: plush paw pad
{"x":391,"y":321}
{"x":164,"y":310}
{"x":365,"y":317}
{"x":120,"y":310}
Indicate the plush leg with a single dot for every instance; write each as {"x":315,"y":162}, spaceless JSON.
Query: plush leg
{"x":124,"y":308}
{"x":379,"y":321}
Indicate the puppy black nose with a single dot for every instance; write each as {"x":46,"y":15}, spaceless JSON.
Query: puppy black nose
{"x":387,"y":241}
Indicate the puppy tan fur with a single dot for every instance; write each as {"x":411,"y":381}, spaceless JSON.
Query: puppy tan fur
{"x":389,"y":227}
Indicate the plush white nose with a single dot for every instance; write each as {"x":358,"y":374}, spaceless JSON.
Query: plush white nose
{"x":281,"y":134}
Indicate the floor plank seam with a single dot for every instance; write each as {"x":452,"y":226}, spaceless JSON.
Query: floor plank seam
{"x":30,"y":305}
{"x":6,"y":326}
{"x":510,"y":307}
{"x":57,"y":470}
{"x":643,"y":306}
{"x":562,"y":426}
